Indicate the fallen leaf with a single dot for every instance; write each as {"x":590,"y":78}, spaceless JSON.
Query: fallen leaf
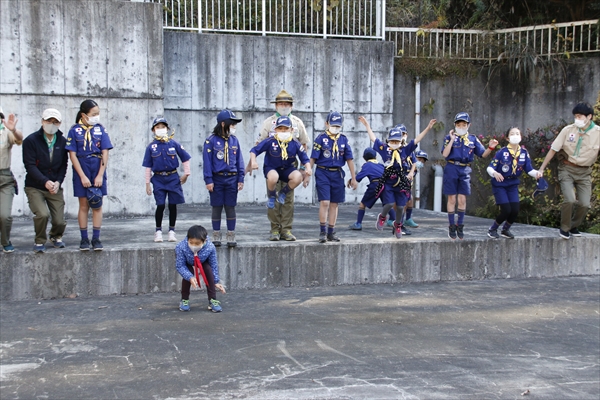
{"x":525,"y":393}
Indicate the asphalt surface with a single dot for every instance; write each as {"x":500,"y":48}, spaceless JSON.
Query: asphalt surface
{"x":493,"y":339}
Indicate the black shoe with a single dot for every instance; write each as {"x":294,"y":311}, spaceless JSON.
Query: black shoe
{"x":459,"y":231}
{"x":575,"y":232}
{"x":322,"y":237}
{"x":97,"y":245}
{"x":452,"y":232}
{"x":406,"y":231}
{"x":507,"y":234}
{"x":332,"y":237}
{"x":564,"y":235}
{"x":84,"y":245}
{"x":493,"y":233}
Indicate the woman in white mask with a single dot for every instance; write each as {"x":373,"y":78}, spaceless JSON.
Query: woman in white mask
{"x":506,"y":167}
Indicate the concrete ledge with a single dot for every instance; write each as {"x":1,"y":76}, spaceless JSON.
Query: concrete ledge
{"x":133,"y":264}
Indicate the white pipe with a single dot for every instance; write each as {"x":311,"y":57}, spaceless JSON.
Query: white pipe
{"x":437,"y":191}
{"x":417,"y":131}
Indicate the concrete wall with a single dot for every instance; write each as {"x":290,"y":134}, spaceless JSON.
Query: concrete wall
{"x":494,"y":106}
{"x":57,"y":53}
{"x":145,"y":270}
{"x":205,"y":73}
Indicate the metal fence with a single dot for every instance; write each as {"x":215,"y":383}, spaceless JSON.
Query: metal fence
{"x":341,"y":18}
{"x":544,"y":40}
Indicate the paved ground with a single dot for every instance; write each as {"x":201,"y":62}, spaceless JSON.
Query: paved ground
{"x":495,"y":339}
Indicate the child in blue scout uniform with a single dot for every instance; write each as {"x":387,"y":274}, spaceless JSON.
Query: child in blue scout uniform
{"x":161,"y":160}
{"x":223,"y":174}
{"x":506,"y":167}
{"x":372,"y":170}
{"x":398,"y":172}
{"x":280,"y":153}
{"x":421,"y":159}
{"x":460,"y":149}
{"x":331,"y":150}
{"x":195,"y":257}
{"x":88,"y":145}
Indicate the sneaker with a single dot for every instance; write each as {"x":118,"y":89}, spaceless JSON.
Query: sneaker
{"x":575,"y":232}
{"x":322,"y":237}
{"x":406,"y":231}
{"x":507,"y":234}
{"x":158,"y":236}
{"x":380,"y":222}
{"x":389,"y":223}
{"x":397,"y":231}
{"x":332,"y":237}
{"x":564,"y":235}
{"x":271,"y":202}
{"x":84,"y":245}
{"x":231,"y":239}
{"x":281,"y":197}
{"x":9,"y":248}
{"x":57,"y":242}
{"x":216,"y":238}
{"x":172,"y":237}
{"x":39,"y":248}
{"x":459,"y":231}
{"x":356,"y":226}
{"x":410,"y":223}
{"x":97,"y":245}
{"x":274,"y":237}
{"x":493,"y":233}
{"x":288,"y":236}
{"x":215,"y":305}
{"x":452,"y":232}
{"x":184,"y":305}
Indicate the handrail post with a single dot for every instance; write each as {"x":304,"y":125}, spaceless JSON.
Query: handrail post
{"x":324,"y":19}
{"x":199,"y":16}
{"x":264,"y":17}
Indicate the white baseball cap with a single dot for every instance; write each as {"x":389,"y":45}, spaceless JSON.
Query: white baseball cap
{"x":51,"y":113}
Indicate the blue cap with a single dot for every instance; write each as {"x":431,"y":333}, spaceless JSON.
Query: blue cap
{"x":94,"y":197}
{"x":401,"y":128}
{"x":227,"y":115}
{"x":422,"y":154}
{"x":283,"y":121}
{"x":542,"y":186}
{"x":395,"y":134}
{"x":369,"y":153}
{"x":335,"y":119}
{"x":159,"y":120}
{"x":462,"y":116}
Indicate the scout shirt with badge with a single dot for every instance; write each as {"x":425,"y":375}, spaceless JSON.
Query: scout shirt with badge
{"x":86,"y":142}
{"x":161,"y":156}
{"x":510,"y":164}
{"x":275,"y":158}
{"x":580,"y":146}
{"x":331,"y":151}
{"x":223,"y":157}
{"x":464,"y":148}
{"x":399,"y":163}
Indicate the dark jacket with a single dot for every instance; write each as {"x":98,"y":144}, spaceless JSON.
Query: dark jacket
{"x":37,"y":160}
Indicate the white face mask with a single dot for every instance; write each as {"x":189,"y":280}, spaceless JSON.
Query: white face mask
{"x":420,"y":164}
{"x":50,"y":129}
{"x":580,"y":123}
{"x":284,"y":110}
{"x":231,"y":130}
{"x":394,"y":146}
{"x":195,"y":249}
{"x":283,"y":136}
{"x":461,"y":131}
{"x":94,"y":120}
{"x":515,"y":139}
{"x":161,"y":132}
{"x":335,"y":129}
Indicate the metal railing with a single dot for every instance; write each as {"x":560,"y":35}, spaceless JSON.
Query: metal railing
{"x":543,"y":40}
{"x":342,"y":18}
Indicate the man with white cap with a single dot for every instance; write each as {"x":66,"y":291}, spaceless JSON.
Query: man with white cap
{"x":282,"y":216}
{"x":9,"y":135}
{"x":46,"y":158}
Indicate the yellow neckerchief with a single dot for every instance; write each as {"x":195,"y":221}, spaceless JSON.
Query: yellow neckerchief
{"x":373,"y":160}
{"x":515,"y":155}
{"x":165,"y":139}
{"x":334,"y":149}
{"x":465,"y":139}
{"x":395,"y":157}
{"x":284,"y":145}
{"x":88,"y":136}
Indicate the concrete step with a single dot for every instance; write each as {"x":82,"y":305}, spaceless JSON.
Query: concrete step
{"x":132,"y":263}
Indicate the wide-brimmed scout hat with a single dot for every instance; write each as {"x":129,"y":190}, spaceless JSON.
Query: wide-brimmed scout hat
{"x":283,"y":96}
